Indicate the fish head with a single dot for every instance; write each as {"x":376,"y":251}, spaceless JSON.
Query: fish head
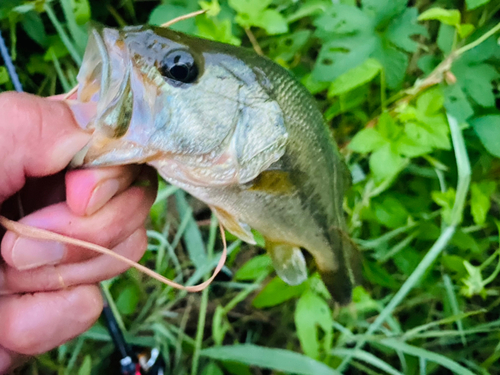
{"x":194,"y":109}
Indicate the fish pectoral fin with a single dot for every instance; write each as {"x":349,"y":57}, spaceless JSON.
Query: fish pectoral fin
{"x":275,"y":182}
{"x":288,"y":262}
{"x":234,"y":226}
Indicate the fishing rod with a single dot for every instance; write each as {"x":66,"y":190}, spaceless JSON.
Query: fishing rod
{"x":142,"y":361}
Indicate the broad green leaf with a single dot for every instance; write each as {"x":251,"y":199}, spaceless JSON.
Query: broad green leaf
{"x":367,"y":140}
{"x":249,"y":6}
{"x":385,"y":162}
{"x":456,"y":103}
{"x":383,"y":10}
{"x":274,"y":359}
{"x":465,"y":29}
{"x":487,"y":129}
{"x":272,"y":21}
{"x":287,"y":47}
{"x":254,"y":268}
{"x":311,"y":313}
{"x":449,"y":17}
{"x":401,"y":29}
{"x":481,"y":200}
{"x":473,"y":4}
{"x":390,"y":212}
{"x":355,"y":77}
{"x":221,"y":31}
{"x":276,"y":292}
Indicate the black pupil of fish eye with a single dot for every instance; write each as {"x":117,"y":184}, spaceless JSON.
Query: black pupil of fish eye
{"x":179,"y":66}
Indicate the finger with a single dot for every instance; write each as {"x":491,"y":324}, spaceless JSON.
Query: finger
{"x":87,"y":190}
{"x":9,"y":360}
{"x":109,"y":226}
{"x":35,"y":323}
{"x":93,"y":270}
{"x":39,"y":138}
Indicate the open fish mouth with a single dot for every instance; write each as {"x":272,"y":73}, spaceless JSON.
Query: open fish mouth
{"x":105,"y":79}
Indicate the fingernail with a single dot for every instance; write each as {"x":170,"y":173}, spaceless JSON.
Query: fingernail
{"x":28,"y":253}
{"x":102,"y":194}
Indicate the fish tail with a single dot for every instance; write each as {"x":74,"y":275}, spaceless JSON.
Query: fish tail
{"x":341,"y":279}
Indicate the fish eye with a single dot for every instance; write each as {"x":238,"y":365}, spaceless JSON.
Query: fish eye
{"x":179,"y":65}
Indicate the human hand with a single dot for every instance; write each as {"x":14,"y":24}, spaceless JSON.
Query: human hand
{"x":47,"y":289}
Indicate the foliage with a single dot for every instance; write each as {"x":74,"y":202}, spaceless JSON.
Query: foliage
{"x":411,"y":91}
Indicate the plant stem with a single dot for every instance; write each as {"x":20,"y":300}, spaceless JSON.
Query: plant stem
{"x":478,"y":41}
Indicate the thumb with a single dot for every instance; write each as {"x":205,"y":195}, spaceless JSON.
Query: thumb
{"x":38,"y":137}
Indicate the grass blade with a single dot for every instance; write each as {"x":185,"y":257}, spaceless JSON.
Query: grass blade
{"x":274,"y":359}
{"x":427,"y":355}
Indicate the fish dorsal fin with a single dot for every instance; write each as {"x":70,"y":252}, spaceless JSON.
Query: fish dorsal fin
{"x":233,"y":225}
{"x":288,"y":262}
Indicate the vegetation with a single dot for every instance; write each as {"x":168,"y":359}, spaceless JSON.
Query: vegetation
{"x":411,"y":91}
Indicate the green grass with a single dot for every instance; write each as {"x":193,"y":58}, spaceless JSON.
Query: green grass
{"x":414,"y":106}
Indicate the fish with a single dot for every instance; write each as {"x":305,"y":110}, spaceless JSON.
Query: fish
{"x":233,"y":129}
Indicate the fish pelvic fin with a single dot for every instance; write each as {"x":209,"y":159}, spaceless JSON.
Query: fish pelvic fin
{"x":233,"y":225}
{"x":288,"y":261}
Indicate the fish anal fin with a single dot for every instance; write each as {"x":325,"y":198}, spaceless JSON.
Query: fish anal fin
{"x":273,"y":182}
{"x":288,"y":261}
{"x":233,"y":225}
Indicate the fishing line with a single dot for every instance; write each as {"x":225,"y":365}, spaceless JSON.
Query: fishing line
{"x":9,"y":65}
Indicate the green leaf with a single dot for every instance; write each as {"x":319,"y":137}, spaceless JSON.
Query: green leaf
{"x":390,"y":212}
{"x":368,"y":358}
{"x":464,"y":30}
{"x":367,"y":140}
{"x":312,"y":312}
{"x":481,"y":200}
{"x":4,"y":75}
{"x":86,"y":366}
{"x":166,"y":12}
{"x":254,"y":268}
{"x":249,"y":6}
{"x":446,"y":200}
{"x":272,"y":21}
{"x":220,"y":31}
{"x":212,"y":369}
{"x":473,"y":4}
{"x":355,"y":77}
{"x":377,"y":275}
{"x":401,"y":29}
{"x":487,"y":129}
{"x":128,"y":298}
{"x":456,"y":103}
{"x":383,"y":10}
{"x":385,"y":162}
{"x":33,"y":25}
{"x":473,"y":282}
{"x":276,"y":292}
{"x":448,"y":17}
{"x":274,"y":359}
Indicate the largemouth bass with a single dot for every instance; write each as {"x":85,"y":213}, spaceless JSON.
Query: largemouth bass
{"x":231,"y":128}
